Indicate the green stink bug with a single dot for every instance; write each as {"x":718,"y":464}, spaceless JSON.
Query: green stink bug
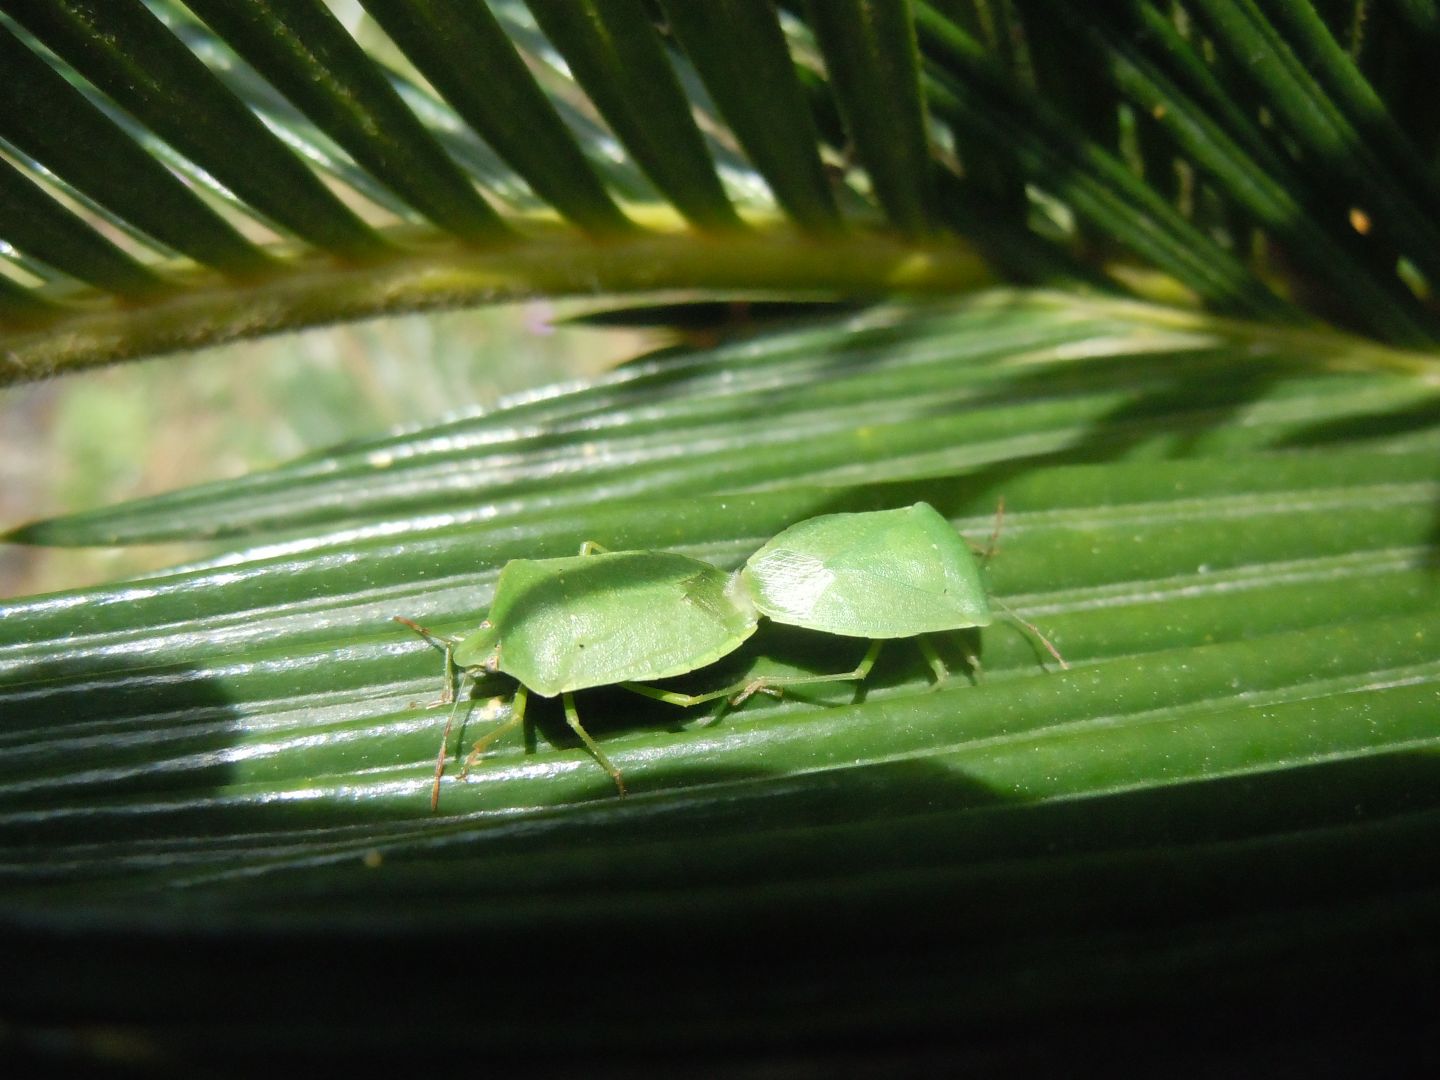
{"x":561,"y":625}
{"x":882,"y":574}
{"x":616,"y":618}
{"x":877,"y":575}
{"x":585,"y":621}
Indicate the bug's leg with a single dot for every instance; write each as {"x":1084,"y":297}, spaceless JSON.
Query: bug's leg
{"x":445,"y":645}
{"x":1034,"y":631}
{"x":674,"y":697}
{"x":452,"y":690}
{"x":590,"y":547}
{"x":972,"y":658}
{"x":444,"y":742}
{"x":937,"y":665}
{"x":765,"y":684}
{"x":572,"y":717}
{"x":517,"y":717}
{"x":685,"y":701}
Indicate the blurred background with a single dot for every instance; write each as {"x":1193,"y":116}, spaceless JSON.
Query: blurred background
{"x":142,"y":428}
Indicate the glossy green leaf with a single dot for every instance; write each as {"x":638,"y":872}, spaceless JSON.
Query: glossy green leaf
{"x":127,"y":52}
{"x":987,"y":108}
{"x":1238,"y":763}
{"x":1326,"y":131}
{"x":48,"y":120}
{"x":741,"y":54}
{"x":462,"y":49}
{"x":46,"y":231}
{"x":962,"y":149}
{"x":615,"y":55}
{"x":867,"y":398}
{"x":301,"y":48}
{"x":1248,"y":168}
{"x":873,"y":65}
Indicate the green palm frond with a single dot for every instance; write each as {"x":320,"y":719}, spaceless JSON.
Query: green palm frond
{"x":1213,"y":432}
{"x":180,"y":175}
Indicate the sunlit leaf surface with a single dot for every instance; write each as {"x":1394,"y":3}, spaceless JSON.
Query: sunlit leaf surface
{"x":1239,"y":571}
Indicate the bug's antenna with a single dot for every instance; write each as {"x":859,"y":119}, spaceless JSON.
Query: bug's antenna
{"x":994,"y":540}
{"x":1034,"y":630}
{"x":431,"y":638}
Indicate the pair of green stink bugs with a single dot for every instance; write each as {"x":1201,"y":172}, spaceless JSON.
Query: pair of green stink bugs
{"x":622,"y":618}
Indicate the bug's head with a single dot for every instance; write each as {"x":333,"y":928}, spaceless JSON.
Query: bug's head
{"x":480,"y":649}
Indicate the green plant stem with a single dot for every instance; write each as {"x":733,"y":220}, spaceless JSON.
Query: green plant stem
{"x":307,"y":294}
{"x":1328,"y":348}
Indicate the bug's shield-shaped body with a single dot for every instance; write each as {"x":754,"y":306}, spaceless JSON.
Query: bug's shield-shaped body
{"x":592,"y":620}
{"x":883,"y":574}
